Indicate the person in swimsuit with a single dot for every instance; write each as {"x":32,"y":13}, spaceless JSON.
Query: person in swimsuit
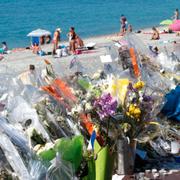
{"x":123,"y":22}
{"x":74,"y":40}
{"x":4,"y":48}
{"x":129,"y":30}
{"x":35,"y":48}
{"x":56,"y":39}
{"x":155,"y":35}
{"x":176,"y":14}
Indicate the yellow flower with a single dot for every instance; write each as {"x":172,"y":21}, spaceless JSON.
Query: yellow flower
{"x":131,"y":108}
{"x":137,"y":111}
{"x":139,"y":85}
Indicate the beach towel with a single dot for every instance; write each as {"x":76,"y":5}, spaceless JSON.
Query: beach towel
{"x":152,"y":32}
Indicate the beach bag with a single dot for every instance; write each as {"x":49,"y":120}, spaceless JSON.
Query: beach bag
{"x":64,"y":52}
{"x":41,"y":53}
{"x":59,"y":52}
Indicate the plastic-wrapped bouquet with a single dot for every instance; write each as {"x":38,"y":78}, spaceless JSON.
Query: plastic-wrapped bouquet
{"x":139,"y":112}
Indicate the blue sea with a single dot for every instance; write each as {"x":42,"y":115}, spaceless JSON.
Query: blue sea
{"x":89,"y":17}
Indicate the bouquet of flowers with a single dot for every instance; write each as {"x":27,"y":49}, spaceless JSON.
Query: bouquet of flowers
{"x":139,"y":110}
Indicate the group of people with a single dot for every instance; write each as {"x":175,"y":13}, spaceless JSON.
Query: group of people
{"x":128,"y":28}
{"x":156,"y":35}
{"x":74,"y":40}
{"x":125,"y":27}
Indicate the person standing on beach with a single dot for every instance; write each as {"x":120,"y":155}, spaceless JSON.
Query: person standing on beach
{"x":176,"y":14}
{"x":123,"y":22}
{"x":56,"y":39}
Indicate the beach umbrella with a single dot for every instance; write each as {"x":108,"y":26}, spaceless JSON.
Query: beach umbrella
{"x":39,"y":33}
{"x":175,"y":26}
{"x":166,"y":22}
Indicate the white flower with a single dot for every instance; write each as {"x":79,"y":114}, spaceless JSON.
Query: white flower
{"x":88,"y":96}
{"x":88,"y":107}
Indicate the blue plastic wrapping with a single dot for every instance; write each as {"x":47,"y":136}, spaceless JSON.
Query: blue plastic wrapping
{"x":172,"y":106}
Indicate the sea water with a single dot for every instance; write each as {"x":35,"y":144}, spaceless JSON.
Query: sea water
{"x":89,"y":17}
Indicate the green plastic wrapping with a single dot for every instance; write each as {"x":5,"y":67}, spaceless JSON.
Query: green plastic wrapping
{"x":47,"y":155}
{"x":71,"y":150}
{"x":104,"y":162}
{"x":84,"y":84}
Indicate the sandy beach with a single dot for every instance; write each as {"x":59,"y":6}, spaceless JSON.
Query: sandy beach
{"x":18,"y":61}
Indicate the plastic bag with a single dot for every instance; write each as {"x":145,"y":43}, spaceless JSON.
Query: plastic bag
{"x":155,"y":81}
{"x":20,"y":111}
{"x":31,"y":94}
{"x":134,"y":41}
{"x":37,"y":170}
{"x":169,"y":63}
{"x":14,"y":158}
{"x":11,"y":142}
{"x":60,"y":169}
{"x":16,"y":136}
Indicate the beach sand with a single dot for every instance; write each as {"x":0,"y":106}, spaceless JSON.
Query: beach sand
{"x":17,"y":62}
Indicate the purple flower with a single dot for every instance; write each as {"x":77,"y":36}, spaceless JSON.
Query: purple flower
{"x":147,"y":98}
{"x":105,"y":106}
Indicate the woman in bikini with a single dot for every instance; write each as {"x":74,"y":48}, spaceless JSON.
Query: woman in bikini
{"x":74,"y":40}
{"x":155,"y":35}
{"x":56,"y":39}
